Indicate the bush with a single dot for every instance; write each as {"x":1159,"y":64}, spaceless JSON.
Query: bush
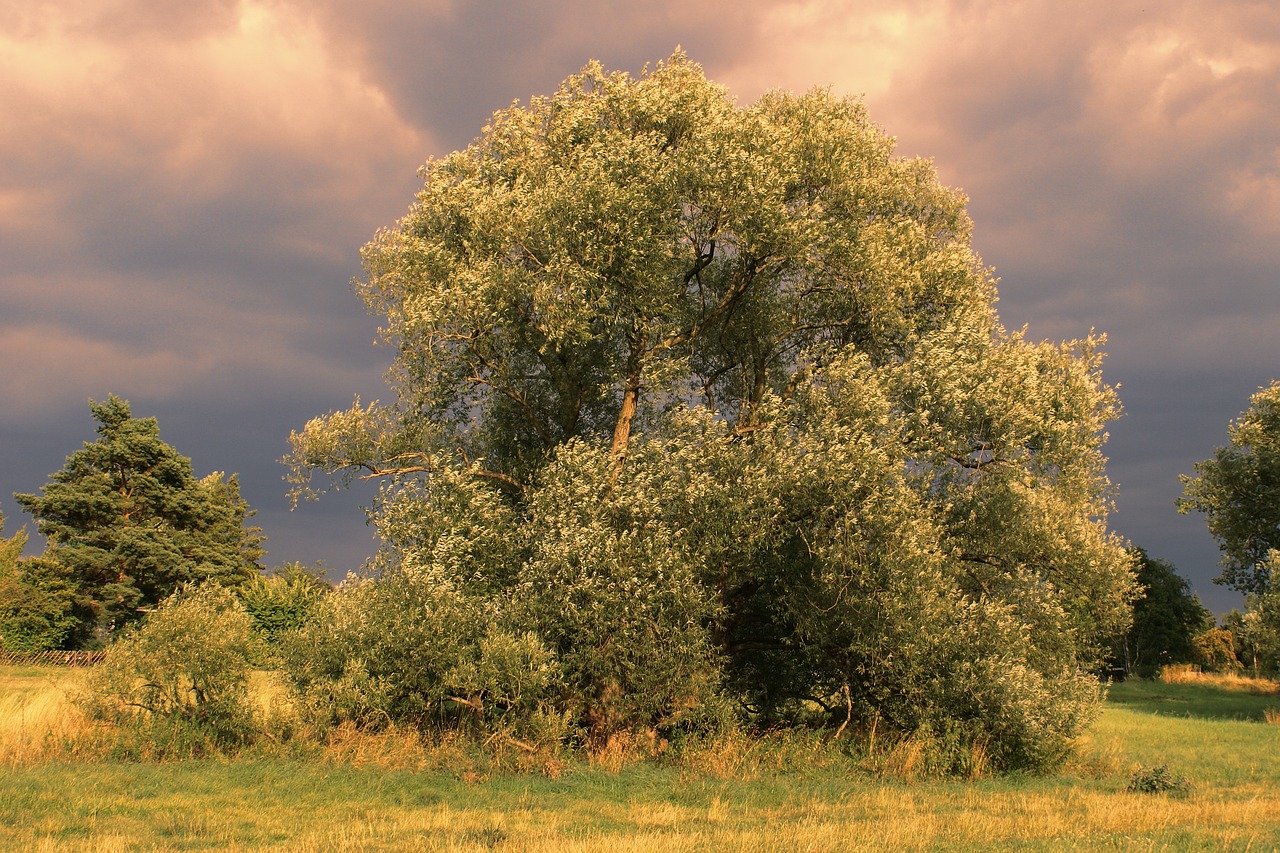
{"x":178,"y":684}
{"x":1214,"y":650}
{"x":282,"y":602}
{"x":415,"y":648}
{"x":581,"y":614}
{"x":37,"y":605}
{"x":1158,"y":780}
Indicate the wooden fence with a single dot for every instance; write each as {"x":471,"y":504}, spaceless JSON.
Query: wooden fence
{"x":49,"y":658}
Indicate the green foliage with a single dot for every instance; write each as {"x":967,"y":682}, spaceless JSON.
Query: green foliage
{"x":1214,"y":650}
{"x":36,"y":606}
{"x":1238,"y":490}
{"x":614,"y":588}
{"x":431,"y":641}
{"x":1257,"y":630}
{"x":1167,"y":617}
{"x":179,"y":681}
{"x":283,"y":601}
{"x":417,"y":648}
{"x":35,"y":600}
{"x":1159,"y":780}
{"x":11,"y":549}
{"x":129,"y":523}
{"x":714,"y":402}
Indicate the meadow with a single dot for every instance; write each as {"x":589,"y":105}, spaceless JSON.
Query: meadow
{"x":1214,"y":743}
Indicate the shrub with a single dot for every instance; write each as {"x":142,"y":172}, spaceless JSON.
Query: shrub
{"x":1214,"y":650}
{"x":282,"y":602}
{"x":36,"y":604}
{"x":178,"y":684}
{"x":582,"y":613}
{"x":416,"y":648}
{"x":1158,"y":780}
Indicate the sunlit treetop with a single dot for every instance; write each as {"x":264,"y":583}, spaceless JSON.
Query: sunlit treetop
{"x":597,"y":255}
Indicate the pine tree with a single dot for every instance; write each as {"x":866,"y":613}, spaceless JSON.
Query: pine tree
{"x":128,"y":522}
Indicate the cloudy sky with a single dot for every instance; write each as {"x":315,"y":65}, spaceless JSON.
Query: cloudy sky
{"x":184,"y":188}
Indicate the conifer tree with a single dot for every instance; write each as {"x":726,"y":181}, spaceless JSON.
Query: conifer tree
{"x":128,"y":522}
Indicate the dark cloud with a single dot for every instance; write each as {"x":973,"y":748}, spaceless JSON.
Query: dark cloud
{"x":450,"y":65}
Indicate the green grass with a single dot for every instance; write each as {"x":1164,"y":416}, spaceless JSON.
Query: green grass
{"x":1217,"y":738}
{"x":1212,"y":736}
{"x":1191,"y":700}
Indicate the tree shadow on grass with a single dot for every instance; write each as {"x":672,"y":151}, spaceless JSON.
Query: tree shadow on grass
{"x":1191,"y":700}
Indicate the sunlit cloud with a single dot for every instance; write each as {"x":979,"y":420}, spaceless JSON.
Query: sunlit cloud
{"x":173,"y":124}
{"x":855,"y":49}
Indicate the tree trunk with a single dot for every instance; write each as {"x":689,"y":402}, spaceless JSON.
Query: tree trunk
{"x":630,"y":400}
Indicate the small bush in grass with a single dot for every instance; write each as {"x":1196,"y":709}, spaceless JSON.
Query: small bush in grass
{"x":178,"y":685}
{"x":1158,"y":780}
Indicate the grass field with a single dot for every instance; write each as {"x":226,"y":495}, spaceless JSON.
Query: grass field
{"x":1218,"y":738}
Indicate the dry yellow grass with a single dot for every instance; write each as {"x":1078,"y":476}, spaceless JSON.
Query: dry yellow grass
{"x":37,"y":714}
{"x":400,"y":790}
{"x":1188,"y":674}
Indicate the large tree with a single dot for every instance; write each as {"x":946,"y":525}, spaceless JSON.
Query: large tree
{"x":715,"y":398}
{"x":1167,"y":617}
{"x":129,"y":522}
{"x":1238,"y":490}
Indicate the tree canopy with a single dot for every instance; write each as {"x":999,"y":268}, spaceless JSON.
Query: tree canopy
{"x":128,"y":522}
{"x":1238,"y":490}
{"x":35,"y":601}
{"x":1167,"y":617}
{"x":714,"y":402}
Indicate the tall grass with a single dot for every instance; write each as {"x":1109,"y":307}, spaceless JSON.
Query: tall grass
{"x":403,"y":790}
{"x":1189,"y":674}
{"x":38,"y":717}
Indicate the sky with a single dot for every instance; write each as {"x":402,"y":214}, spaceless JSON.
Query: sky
{"x":185,"y":188}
